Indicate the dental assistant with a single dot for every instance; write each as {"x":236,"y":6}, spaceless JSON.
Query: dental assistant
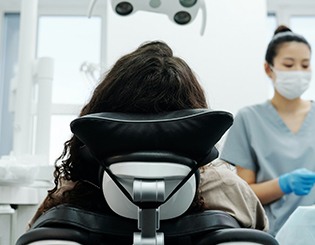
{"x":272,"y":144}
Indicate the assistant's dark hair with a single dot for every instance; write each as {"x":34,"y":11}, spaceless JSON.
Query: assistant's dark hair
{"x":147,"y":80}
{"x":282,"y":35}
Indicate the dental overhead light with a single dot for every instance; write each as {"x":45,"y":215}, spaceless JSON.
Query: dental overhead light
{"x":181,"y":12}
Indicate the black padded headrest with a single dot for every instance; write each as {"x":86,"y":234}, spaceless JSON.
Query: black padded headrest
{"x":192,"y":133}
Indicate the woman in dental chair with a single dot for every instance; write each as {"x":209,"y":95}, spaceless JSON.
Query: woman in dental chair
{"x":149,"y":80}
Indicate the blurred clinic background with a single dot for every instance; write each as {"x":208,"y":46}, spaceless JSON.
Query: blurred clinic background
{"x":53,"y":52}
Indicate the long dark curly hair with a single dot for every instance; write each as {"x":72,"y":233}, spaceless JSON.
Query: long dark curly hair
{"x":147,"y":80}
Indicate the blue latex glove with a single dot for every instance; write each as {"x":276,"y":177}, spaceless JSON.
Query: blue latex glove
{"x":299,"y":181}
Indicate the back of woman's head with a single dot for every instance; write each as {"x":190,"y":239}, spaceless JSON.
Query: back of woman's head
{"x":148,"y":80}
{"x":282,"y":35}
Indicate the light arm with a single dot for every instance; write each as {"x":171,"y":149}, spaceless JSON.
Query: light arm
{"x":267,"y":191}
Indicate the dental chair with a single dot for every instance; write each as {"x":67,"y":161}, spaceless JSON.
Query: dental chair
{"x":149,"y":177}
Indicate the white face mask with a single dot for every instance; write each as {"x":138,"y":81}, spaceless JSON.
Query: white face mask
{"x":292,"y":84}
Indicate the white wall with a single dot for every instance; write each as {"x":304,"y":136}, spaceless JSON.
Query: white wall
{"x":228,"y":58}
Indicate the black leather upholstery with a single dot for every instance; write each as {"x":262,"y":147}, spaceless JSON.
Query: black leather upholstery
{"x":86,"y":227}
{"x":188,"y":133}
{"x":238,"y":235}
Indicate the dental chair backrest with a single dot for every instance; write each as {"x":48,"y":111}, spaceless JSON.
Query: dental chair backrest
{"x":148,"y":168}
{"x":150,"y":162}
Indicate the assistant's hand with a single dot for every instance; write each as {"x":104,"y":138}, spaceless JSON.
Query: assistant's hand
{"x":299,"y":181}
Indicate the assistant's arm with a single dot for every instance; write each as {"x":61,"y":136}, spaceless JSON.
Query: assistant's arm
{"x":267,"y":191}
{"x":299,"y":182}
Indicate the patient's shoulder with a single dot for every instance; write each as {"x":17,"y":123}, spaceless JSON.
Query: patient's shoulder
{"x":223,"y":173}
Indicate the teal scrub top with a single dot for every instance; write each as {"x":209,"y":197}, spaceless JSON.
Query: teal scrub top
{"x":260,"y":141}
